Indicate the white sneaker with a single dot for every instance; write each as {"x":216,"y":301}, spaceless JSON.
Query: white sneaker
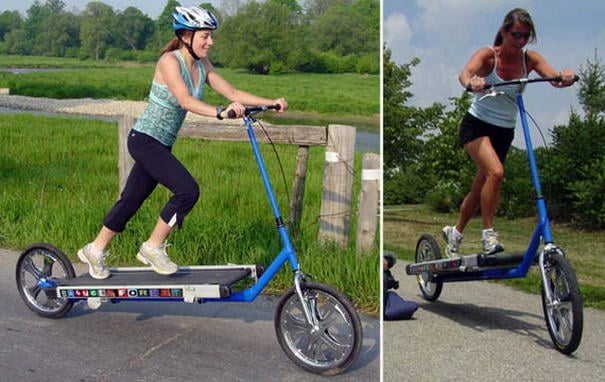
{"x":96,"y":262}
{"x":157,"y":258}
{"x":453,"y":240}
{"x":490,"y":242}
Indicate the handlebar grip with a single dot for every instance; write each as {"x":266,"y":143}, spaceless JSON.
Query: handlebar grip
{"x":469,"y":88}
{"x":576,"y":78}
{"x":254,"y":109}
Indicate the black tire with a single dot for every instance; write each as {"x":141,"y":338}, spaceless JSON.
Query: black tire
{"x":38,"y":263}
{"x":427,"y":249}
{"x":564,"y":317}
{"x":327,"y":351}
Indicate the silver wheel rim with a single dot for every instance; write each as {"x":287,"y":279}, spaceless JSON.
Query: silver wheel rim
{"x":36,"y":266}
{"x":333,"y":340}
{"x":560,"y":313}
{"x":425,"y":253}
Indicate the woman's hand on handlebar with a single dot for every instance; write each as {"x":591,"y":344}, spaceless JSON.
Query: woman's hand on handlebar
{"x":476,"y":84}
{"x":234,"y":110}
{"x":283,"y":104}
{"x":568,"y":77}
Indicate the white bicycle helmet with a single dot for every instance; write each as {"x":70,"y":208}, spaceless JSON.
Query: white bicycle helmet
{"x":193,"y":18}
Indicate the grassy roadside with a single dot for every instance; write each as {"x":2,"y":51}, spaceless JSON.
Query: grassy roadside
{"x":403,"y":225}
{"x":58,"y":178}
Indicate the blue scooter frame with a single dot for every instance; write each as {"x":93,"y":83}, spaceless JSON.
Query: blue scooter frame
{"x":561,"y":298}
{"x":317,"y":326}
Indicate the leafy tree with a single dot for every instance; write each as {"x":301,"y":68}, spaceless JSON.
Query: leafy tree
{"x":315,"y":8}
{"x":50,"y":29}
{"x":401,"y":145}
{"x":163,"y":25}
{"x":15,"y":42}
{"x":9,"y":21}
{"x":574,"y":169}
{"x":343,"y":30}
{"x":133,"y":29}
{"x":592,"y":88}
{"x":292,"y":5}
{"x":260,"y":37}
{"x":96,"y":32}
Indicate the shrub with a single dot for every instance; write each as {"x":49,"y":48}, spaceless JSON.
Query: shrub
{"x":445,"y":197}
{"x":404,"y":188}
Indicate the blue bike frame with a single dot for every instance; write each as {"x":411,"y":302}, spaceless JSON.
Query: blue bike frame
{"x":287,"y":253}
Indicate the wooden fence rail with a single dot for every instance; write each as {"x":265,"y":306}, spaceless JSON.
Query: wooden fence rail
{"x":339,"y":140}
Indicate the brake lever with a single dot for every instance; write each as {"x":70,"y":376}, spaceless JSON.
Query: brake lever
{"x":491,"y":93}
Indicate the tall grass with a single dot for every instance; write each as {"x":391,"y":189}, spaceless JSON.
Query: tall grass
{"x":403,"y":225}
{"x":58,"y":178}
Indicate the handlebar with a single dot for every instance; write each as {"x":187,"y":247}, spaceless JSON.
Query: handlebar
{"x":255,"y":109}
{"x":523,"y":81}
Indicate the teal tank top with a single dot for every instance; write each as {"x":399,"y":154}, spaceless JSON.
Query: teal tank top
{"x":500,"y":110}
{"x":163,"y":117}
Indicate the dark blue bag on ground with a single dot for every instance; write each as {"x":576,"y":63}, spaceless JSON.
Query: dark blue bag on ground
{"x":396,"y":308}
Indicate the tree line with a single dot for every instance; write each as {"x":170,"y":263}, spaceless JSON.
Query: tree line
{"x":323,"y":36}
{"x":423,"y":162}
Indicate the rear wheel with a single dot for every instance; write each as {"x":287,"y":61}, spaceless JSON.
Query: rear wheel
{"x":329,"y":347}
{"x":39,"y":269}
{"x":427,"y":249}
{"x":563,"y":314}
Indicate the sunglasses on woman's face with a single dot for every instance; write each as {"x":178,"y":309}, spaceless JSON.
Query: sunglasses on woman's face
{"x":520,"y":35}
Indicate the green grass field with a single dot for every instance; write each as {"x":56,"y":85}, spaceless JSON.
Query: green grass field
{"x":336,"y":98}
{"x":58,"y":179}
{"x":403,"y":225}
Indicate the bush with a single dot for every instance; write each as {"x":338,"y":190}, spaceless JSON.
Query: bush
{"x":335,"y":63}
{"x":369,"y":63}
{"x":404,"y":188}
{"x":589,"y":196}
{"x":117,"y":54}
{"x":517,"y":195}
{"x":445,"y":197}
{"x":147,"y":56}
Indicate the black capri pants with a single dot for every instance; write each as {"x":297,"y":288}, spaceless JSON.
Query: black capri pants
{"x":154,"y":163}
{"x":501,"y":138}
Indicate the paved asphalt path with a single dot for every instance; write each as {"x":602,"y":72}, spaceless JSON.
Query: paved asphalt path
{"x":154,"y":341}
{"x":482,"y":331}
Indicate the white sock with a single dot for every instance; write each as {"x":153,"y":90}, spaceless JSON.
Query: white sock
{"x":486,"y":231}
{"x":457,"y":234}
{"x":95,"y":251}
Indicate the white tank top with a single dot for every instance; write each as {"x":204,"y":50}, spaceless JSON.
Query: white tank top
{"x":500,"y":110}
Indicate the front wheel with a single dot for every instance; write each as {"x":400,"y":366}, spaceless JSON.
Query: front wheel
{"x":563,"y":315}
{"x":39,"y":268}
{"x":330,"y":346}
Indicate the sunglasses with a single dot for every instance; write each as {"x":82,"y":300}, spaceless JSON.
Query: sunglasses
{"x":520,"y":35}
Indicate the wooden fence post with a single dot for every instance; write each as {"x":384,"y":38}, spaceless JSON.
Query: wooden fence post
{"x":298,"y":189}
{"x":335,"y":211}
{"x":125,"y":161}
{"x":368,"y":202}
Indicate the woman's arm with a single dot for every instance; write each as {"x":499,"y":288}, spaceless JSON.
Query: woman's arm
{"x":168,"y":72}
{"x":224,"y":88}
{"x":476,"y":68}
{"x":543,"y":68}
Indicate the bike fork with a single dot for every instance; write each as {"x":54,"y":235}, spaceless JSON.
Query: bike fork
{"x":545,"y":269}
{"x":309,"y":307}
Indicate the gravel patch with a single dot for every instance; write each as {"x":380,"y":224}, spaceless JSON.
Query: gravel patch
{"x":89,"y":107}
